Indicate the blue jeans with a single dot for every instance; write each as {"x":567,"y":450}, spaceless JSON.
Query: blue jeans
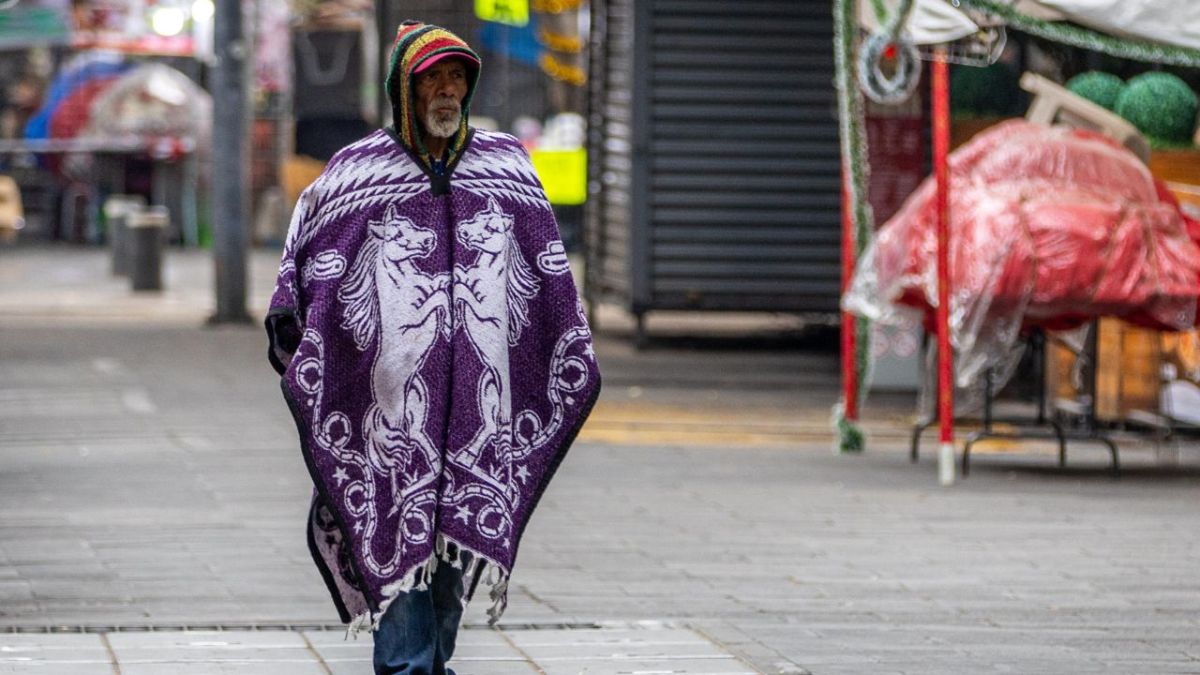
{"x":417,"y":633}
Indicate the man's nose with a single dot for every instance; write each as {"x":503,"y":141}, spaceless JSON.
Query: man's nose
{"x":445,"y":86}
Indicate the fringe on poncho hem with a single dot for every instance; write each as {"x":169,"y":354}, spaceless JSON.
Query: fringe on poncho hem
{"x":446,"y":551}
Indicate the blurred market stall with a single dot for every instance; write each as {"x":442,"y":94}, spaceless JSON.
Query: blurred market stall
{"x":1026,"y":227}
{"x":109,"y":98}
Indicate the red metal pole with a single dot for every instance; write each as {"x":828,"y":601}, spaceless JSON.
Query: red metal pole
{"x":849,"y":336}
{"x":941,"y":162}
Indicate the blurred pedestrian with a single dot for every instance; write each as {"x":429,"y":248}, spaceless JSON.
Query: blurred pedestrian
{"x":434,"y":354}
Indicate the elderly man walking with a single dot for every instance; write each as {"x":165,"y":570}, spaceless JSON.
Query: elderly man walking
{"x":434,"y":354}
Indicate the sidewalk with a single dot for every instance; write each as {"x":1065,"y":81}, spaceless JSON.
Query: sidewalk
{"x":151,"y":493}
{"x":549,"y":651}
{"x":739,"y":395}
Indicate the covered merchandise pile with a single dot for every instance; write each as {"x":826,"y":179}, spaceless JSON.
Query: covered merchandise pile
{"x":1049,"y":227}
{"x":152,"y":102}
{"x":104,"y":98}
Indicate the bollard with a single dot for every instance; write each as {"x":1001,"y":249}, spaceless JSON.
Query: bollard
{"x":147,"y":229}
{"x":117,"y":209}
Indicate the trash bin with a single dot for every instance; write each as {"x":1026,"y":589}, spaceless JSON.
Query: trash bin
{"x":146,"y":232}
{"x":117,"y":209}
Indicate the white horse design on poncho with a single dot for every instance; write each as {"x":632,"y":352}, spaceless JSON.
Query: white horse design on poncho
{"x":491,"y":303}
{"x":387,"y":294}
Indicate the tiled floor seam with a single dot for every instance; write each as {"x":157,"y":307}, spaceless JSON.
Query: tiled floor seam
{"x":316,"y":654}
{"x":525,"y":655}
{"x":723,"y":647}
{"x":112,"y":654}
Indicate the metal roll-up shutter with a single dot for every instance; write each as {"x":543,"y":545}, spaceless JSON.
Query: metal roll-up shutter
{"x":609,"y":214}
{"x":714,"y":149}
{"x":744,"y":171}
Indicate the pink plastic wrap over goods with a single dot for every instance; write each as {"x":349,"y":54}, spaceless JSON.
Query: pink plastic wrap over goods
{"x":1049,"y":227}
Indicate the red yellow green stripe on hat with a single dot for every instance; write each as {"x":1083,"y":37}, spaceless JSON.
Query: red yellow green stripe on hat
{"x":418,"y":46}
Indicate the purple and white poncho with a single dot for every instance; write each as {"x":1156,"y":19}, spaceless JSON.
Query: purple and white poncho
{"x":436,"y":359}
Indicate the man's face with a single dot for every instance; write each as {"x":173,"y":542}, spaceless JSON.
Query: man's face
{"x":440,"y":90}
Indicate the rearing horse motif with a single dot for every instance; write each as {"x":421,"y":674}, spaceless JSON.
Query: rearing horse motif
{"x":387,"y":296}
{"x":491,"y":300}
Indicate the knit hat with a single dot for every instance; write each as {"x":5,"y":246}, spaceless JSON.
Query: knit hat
{"x":418,"y":46}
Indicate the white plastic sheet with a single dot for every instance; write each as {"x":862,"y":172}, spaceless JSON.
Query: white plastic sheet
{"x":931,"y":22}
{"x":152,"y":101}
{"x":1175,"y":22}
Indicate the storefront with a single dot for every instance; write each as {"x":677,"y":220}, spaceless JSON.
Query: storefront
{"x":714,"y":157}
{"x":107,"y":97}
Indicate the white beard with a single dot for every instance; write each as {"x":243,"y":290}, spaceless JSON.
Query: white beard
{"x":442,"y":126}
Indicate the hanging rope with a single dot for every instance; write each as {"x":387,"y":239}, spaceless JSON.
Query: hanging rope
{"x":1078,"y":36}
{"x":890,"y":43}
{"x":856,"y":223}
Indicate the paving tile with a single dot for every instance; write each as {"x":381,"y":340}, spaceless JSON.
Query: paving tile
{"x":335,"y":638}
{"x":37,"y":658}
{"x":265,"y":668}
{"x":12,"y":643}
{"x":723,"y":666}
{"x":75,"y":668}
{"x":621,"y":649}
{"x":355,"y":667}
{"x":214,"y":655}
{"x":336,"y":655}
{"x":220,"y":649}
{"x":53,"y":653}
{"x":362,"y":667}
{"x":205,"y":640}
{"x":536,"y":639}
{"x":625,"y":650}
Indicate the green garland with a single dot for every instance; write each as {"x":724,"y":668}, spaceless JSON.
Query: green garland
{"x":854,"y":157}
{"x":894,"y":23}
{"x":1075,"y":35}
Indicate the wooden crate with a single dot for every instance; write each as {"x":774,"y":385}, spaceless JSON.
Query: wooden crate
{"x":1128,"y":370}
{"x":1180,"y":169}
{"x":1131,"y":359}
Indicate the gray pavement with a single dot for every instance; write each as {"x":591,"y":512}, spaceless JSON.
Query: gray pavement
{"x":599,"y":650}
{"x":152,"y":504}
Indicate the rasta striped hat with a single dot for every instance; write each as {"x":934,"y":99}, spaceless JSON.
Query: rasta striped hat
{"x":417,"y":47}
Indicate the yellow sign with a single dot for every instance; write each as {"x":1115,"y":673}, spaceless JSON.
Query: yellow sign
{"x":509,"y":12}
{"x":563,"y":174}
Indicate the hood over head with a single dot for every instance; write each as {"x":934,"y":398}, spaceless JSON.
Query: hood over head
{"x":417,"y":47}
